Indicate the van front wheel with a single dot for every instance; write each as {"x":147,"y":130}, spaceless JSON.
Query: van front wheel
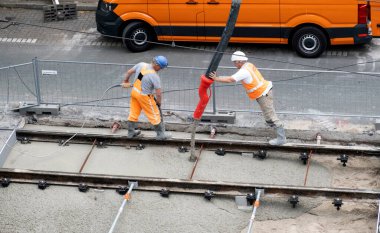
{"x":137,"y":37}
{"x":309,"y":42}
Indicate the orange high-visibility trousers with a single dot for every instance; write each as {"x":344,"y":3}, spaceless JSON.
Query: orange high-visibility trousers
{"x":147,"y":104}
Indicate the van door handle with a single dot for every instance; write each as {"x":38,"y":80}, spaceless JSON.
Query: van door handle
{"x":213,"y":2}
{"x":191,"y":2}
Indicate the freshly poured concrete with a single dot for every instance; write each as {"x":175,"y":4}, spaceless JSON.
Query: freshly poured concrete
{"x":166,"y":162}
{"x":237,"y":168}
{"x":162,"y":161}
{"x":47,"y":157}
{"x":26,"y":209}
{"x":153,"y":161}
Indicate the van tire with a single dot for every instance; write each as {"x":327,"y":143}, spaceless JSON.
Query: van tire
{"x":137,"y":37}
{"x":309,"y":42}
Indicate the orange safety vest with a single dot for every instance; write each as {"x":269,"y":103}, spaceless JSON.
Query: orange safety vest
{"x":256,"y":88}
{"x":144,"y":71}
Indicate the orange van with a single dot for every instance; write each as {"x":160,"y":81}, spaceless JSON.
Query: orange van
{"x":309,"y":26}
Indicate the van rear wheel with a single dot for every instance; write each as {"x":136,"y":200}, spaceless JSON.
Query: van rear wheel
{"x":137,"y":36}
{"x":309,"y":42}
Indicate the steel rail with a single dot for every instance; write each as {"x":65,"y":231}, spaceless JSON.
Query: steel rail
{"x":230,"y":145}
{"x":220,"y":188}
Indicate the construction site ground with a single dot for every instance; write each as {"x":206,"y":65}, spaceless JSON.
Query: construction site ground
{"x":25,"y":208}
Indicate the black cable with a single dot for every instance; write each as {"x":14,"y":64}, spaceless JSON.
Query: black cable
{"x":24,"y":83}
{"x":7,"y":26}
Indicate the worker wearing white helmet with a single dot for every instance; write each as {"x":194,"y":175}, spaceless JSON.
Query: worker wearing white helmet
{"x":146,"y":95}
{"x":257,"y":88}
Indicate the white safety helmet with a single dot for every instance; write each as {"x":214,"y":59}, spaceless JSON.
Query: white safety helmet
{"x":239,"y":56}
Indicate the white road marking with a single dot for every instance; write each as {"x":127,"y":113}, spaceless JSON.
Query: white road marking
{"x":18,"y":40}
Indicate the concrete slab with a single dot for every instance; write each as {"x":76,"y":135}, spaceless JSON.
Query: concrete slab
{"x":219,"y":117}
{"x":377,"y":124}
{"x":50,"y":109}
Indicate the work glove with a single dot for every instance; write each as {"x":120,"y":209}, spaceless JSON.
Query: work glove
{"x":126,"y":85}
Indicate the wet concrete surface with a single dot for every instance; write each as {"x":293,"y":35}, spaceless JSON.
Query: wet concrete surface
{"x":47,"y":157}
{"x":166,"y":162}
{"x":25,"y":208}
{"x":162,"y":161}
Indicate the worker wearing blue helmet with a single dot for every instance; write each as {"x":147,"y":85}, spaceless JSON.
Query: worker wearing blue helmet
{"x":146,"y":95}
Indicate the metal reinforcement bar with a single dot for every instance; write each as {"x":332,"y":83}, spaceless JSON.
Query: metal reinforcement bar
{"x":179,"y":185}
{"x":236,"y":146}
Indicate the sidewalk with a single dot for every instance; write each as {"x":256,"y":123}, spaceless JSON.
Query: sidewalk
{"x":79,"y":32}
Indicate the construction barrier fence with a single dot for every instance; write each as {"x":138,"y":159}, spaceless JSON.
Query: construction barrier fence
{"x":312,"y":92}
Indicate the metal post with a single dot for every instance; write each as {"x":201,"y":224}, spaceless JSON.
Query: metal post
{"x":8,"y":93}
{"x":193,"y":157}
{"x":378,"y":220}
{"x":213,"y":99}
{"x":126,"y":198}
{"x":37,"y":80}
{"x":256,"y":204}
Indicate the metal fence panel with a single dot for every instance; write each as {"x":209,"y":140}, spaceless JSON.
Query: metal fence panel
{"x":180,"y":88}
{"x":17,"y":84}
{"x":308,"y":92}
{"x":85,"y":83}
{"x":295,"y":91}
{"x":74,"y":83}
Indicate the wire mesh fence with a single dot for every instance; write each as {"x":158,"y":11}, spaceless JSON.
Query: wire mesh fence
{"x":71,"y":83}
{"x":17,"y":84}
{"x":315,"y":92}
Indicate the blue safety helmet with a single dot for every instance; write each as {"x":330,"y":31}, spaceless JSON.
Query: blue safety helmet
{"x":161,"y":61}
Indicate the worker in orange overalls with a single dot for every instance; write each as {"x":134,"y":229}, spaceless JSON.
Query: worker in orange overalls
{"x":257,"y":88}
{"x":146,"y":95}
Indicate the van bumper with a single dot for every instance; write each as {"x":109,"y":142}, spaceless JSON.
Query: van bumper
{"x":108,"y":23}
{"x":362,"y":40}
{"x":362,"y":29}
{"x":359,"y":33}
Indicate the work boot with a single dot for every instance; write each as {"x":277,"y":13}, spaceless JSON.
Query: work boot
{"x":131,"y":130}
{"x":160,"y":130}
{"x":281,"y":138}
